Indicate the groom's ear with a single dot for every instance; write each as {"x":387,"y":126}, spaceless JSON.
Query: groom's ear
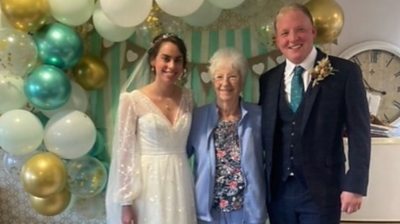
{"x":315,"y":32}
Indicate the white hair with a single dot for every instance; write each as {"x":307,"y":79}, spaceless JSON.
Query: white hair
{"x":228,"y":57}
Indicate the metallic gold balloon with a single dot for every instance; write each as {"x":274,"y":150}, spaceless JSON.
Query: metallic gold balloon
{"x":51,"y":205}
{"x":26,"y":15}
{"x":328,"y":18}
{"x":43,"y":175}
{"x":91,"y":72}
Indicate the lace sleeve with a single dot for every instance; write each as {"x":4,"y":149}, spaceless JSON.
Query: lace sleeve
{"x":124,"y":177}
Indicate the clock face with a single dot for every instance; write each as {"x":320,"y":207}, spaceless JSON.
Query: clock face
{"x":381,"y":74}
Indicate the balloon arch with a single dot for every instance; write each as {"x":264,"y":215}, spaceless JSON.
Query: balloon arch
{"x":48,"y":72}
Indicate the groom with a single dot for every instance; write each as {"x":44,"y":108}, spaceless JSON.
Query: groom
{"x":303,"y":133}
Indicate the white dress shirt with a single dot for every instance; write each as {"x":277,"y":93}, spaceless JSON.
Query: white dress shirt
{"x":307,"y":64}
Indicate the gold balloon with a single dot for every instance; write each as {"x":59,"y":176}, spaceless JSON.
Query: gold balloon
{"x":328,"y":18}
{"x":91,"y":72}
{"x":43,"y":175}
{"x":26,"y":15}
{"x":51,"y":205}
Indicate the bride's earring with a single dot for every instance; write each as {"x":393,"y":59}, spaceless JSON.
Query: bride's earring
{"x":182,"y":78}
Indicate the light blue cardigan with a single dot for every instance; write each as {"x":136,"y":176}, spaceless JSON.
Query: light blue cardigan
{"x":201,"y":143}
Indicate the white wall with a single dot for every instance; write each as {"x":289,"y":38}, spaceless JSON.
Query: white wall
{"x":368,"y":20}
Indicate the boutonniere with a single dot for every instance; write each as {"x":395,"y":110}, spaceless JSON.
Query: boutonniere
{"x":322,"y":70}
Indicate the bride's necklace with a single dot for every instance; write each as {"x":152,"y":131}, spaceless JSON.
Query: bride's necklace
{"x":167,"y":106}
{"x":166,"y":103}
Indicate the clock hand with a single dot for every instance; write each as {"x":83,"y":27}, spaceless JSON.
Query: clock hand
{"x":370,"y":88}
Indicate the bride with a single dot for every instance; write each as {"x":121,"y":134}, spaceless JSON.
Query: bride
{"x":150,"y":178}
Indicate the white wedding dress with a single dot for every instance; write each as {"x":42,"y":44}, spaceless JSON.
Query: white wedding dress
{"x":149,"y":167}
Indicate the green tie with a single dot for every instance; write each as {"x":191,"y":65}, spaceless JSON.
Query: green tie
{"x":296,"y":91}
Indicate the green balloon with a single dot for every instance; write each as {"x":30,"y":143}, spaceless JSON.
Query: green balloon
{"x":59,"y":45}
{"x":47,"y":87}
{"x":98,"y":146}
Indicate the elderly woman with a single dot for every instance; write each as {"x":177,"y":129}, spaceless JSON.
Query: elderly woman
{"x":225,"y":139}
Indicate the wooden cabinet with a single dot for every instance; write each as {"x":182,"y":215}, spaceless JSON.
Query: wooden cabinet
{"x":383,"y":200}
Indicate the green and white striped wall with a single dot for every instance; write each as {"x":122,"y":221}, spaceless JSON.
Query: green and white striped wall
{"x":121,"y":58}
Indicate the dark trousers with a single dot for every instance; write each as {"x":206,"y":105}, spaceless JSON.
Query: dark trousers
{"x":293,"y":204}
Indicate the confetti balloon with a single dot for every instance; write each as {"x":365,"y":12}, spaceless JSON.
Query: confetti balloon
{"x":87,"y":176}
{"x":18,"y":52}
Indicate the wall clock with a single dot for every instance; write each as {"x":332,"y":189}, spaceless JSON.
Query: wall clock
{"x":380,"y":65}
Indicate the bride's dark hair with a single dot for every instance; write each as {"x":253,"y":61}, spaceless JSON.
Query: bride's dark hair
{"x":167,"y":37}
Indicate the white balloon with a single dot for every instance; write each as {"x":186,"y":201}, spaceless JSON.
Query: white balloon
{"x":72,"y":12}
{"x":205,"y":15}
{"x":78,"y":100}
{"x":12,"y":93}
{"x":178,"y":7}
{"x":70,"y":134}
{"x":226,"y":4}
{"x":21,"y":132}
{"x":109,"y":30}
{"x":126,"y":13}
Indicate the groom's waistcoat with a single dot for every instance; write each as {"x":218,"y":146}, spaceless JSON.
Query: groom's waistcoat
{"x":287,"y":157}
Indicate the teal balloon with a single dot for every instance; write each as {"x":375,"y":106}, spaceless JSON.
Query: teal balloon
{"x":47,"y":87}
{"x":103,"y":156}
{"x":43,"y":118}
{"x":59,"y":45}
{"x":98,"y":146}
{"x":106,"y":165}
{"x":87,"y":176}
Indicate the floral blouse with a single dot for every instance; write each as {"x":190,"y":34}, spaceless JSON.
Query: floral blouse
{"x":229,"y":181}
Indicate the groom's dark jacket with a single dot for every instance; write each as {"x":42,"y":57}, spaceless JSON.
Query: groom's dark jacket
{"x":335,"y":105}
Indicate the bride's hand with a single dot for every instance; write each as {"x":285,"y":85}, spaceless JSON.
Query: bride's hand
{"x":128,"y":216}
